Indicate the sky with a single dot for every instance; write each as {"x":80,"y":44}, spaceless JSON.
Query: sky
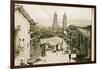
{"x":44,"y":14}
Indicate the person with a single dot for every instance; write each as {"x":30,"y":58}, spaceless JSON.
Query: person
{"x":69,"y":55}
{"x":43,"y":50}
{"x":56,"y":49}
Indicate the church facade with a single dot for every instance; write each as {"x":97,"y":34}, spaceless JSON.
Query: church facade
{"x":55,"y":26}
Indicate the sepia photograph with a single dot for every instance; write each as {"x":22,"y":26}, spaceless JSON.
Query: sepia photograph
{"x":44,"y":34}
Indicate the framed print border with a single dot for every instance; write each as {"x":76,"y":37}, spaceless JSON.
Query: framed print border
{"x":12,"y":32}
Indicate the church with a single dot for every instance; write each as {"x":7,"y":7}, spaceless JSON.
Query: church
{"x":55,"y":26}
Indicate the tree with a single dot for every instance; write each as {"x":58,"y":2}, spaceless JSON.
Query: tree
{"x":72,"y":36}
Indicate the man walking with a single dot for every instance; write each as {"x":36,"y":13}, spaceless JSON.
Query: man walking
{"x":69,"y":55}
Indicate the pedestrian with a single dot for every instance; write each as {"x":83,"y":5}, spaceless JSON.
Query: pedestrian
{"x":56,"y":49}
{"x":43,"y":50}
{"x":69,"y":55}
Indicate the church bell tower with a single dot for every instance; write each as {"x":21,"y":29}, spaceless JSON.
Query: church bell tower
{"x":55,"y":25}
{"x":64,"y":26}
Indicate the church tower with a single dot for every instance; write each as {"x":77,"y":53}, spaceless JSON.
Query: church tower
{"x":55,"y":25}
{"x":64,"y":25}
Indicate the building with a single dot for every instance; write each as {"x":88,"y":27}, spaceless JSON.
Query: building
{"x":23,"y":23}
{"x":55,"y":26}
{"x":64,"y":24}
{"x":54,"y":43}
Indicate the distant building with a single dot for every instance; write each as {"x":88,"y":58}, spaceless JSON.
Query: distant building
{"x":55,"y":26}
{"x":64,"y":24}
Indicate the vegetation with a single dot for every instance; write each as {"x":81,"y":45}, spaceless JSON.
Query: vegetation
{"x":79,"y":38}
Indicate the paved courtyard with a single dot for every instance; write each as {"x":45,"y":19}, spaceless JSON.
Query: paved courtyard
{"x":57,"y":57}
